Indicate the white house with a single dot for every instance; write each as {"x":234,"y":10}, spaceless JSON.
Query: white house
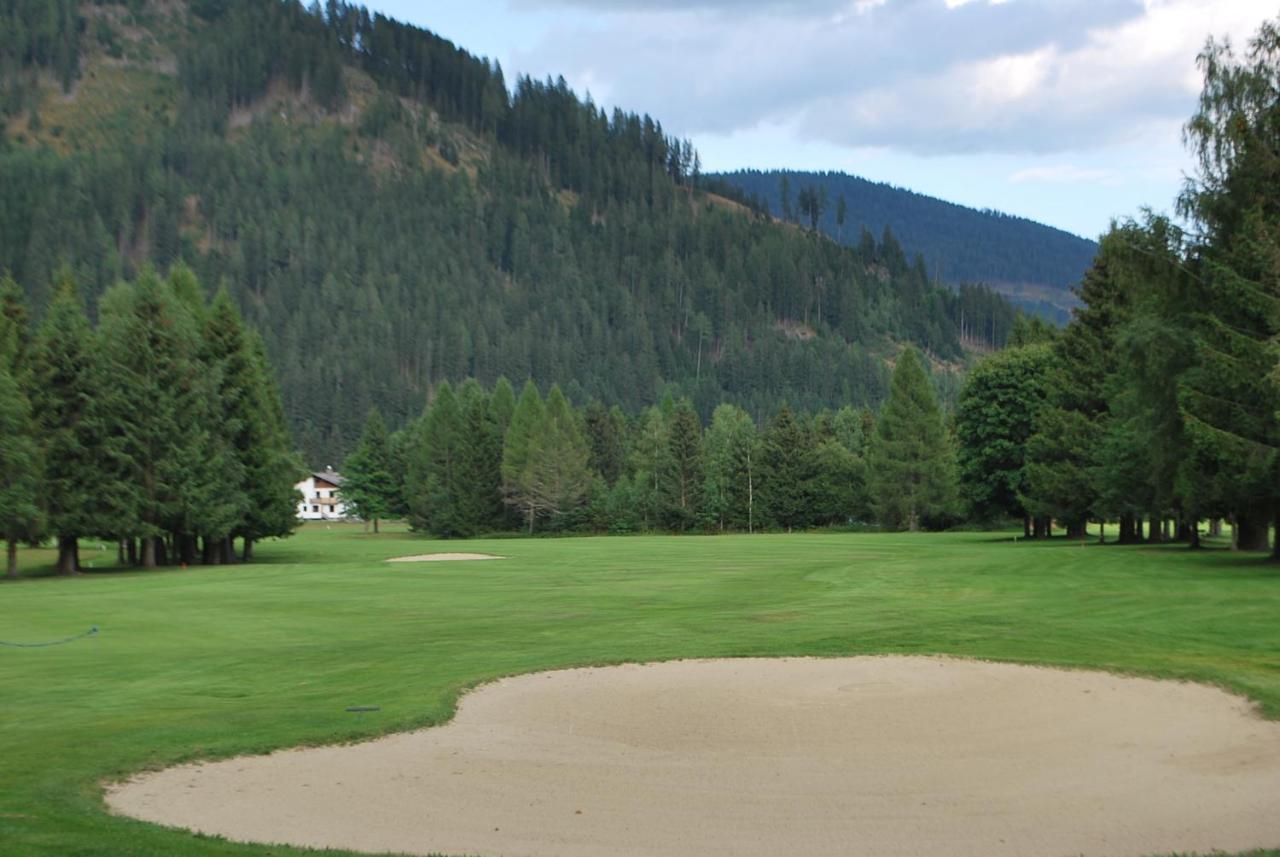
{"x":320,"y":501}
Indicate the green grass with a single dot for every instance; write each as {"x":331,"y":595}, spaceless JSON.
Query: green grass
{"x":220,"y":661}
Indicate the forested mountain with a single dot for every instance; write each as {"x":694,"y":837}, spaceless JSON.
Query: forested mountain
{"x":1034,"y":264}
{"x":390,"y":215}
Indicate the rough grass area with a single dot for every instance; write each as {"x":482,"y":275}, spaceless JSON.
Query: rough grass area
{"x":221,"y":661}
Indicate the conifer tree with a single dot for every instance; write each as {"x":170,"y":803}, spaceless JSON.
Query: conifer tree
{"x":518,"y":452}
{"x":502,"y":406}
{"x":369,"y":487}
{"x":479,"y":462}
{"x":435,"y":476}
{"x":683,"y":473}
{"x":272,"y":468}
{"x":912,"y":465}
{"x":787,"y":469}
{"x":152,"y":396}
{"x":20,"y":517}
{"x":606,"y":429}
{"x":557,"y":475}
{"x":64,"y":383}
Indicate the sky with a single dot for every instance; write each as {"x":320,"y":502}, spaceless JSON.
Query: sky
{"x":1069,"y":112}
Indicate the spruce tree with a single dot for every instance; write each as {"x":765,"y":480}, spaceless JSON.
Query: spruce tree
{"x":557,"y":475}
{"x":436,"y":478}
{"x":683,"y":474}
{"x":787,"y":468}
{"x":517,"y":450}
{"x":479,"y":462}
{"x":20,"y":517}
{"x":272,"y":467}
{"x":912,"y":465}
{"x":369,"y":486}
{"x":151,"y":392}
{"x":64,"y":384}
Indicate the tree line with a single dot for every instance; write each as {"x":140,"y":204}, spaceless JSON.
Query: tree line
{"x":159,"y":428}
{"x":485,"y":460}
{"x":1161,"y":399}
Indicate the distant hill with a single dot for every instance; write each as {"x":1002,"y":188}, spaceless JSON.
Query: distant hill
{"x":390,"y":214}
{"x":1034,"y":264}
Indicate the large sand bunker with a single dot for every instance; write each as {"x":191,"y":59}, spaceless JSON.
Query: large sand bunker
{"x":444,"y":557}
{"x":852,"y":756}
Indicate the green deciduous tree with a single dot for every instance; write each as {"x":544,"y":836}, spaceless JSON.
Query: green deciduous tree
{"x":995,"y":418}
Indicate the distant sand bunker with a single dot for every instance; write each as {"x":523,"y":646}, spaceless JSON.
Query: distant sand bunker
{"x":853,"y":756}
{"x":443,"y":557}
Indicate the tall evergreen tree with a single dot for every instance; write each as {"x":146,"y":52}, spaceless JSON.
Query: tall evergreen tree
{"x":369,"y":486}
{"x":558,"y":477}
{"x":64,"y":383}
{"x":1231,"y":397}
{"x":20,"y":517}
{"x":912,"y":464}
{"x":151,"y":392}
{"x":683,"y":474}
{"x":479,"y":461}
{"x":435,"y":474}
{"x":518,"y":451}
{"x":787,"y":470}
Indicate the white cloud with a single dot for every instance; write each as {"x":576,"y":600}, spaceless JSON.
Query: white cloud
{"x":923,"y":76}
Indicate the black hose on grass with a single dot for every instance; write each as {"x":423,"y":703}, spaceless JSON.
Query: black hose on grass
{"x":93,"y":629}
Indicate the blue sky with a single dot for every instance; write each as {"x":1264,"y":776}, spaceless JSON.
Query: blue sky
{"x":1065,"y":111}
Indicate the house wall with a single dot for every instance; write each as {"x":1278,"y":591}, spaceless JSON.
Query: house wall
{"x":320,"y":501}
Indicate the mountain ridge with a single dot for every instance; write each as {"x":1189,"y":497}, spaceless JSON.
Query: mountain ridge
{"x":391,"y":215}
{"x":1034,"y":264}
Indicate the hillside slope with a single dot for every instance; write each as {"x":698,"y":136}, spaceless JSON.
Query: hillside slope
{"x":389,"y":215}
{"x":1034,"y":264}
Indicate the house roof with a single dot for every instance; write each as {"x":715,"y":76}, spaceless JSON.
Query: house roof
{"x":330,"y":476}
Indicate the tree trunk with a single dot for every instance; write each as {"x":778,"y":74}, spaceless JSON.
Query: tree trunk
{"x":1251,"y":533}
{"x":1102,"y":531}
{"x":1026,"y":525}
{"x":1185,"y":530}
{"x":131,"y":551}
{"x":913,"y":522}
{"x":68,"y":555}
{"x":1215,"y":527}
{"x":246,"y":554}
{"x":1193,"y":536}
{"x":161,"y":551}
{"x":1077,"y":529}
{"x":207,"y":554}
{"x":148,"y":552}
{"x":1153,"y":530}
{"x":1275,"y":549}
{"x":12,"y":570}
{"x":187,"y":549}
{"x":1168,"y":529}
{"x":375,"y":526}
{"x":228,"y":550}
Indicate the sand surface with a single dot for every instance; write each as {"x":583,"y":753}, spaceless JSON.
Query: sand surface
{"x":853,"y":756}
{"x":443,"y":557}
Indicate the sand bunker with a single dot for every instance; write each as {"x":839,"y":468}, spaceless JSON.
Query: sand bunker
{"x":443,"y":557}
{"x":855,"y":756}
